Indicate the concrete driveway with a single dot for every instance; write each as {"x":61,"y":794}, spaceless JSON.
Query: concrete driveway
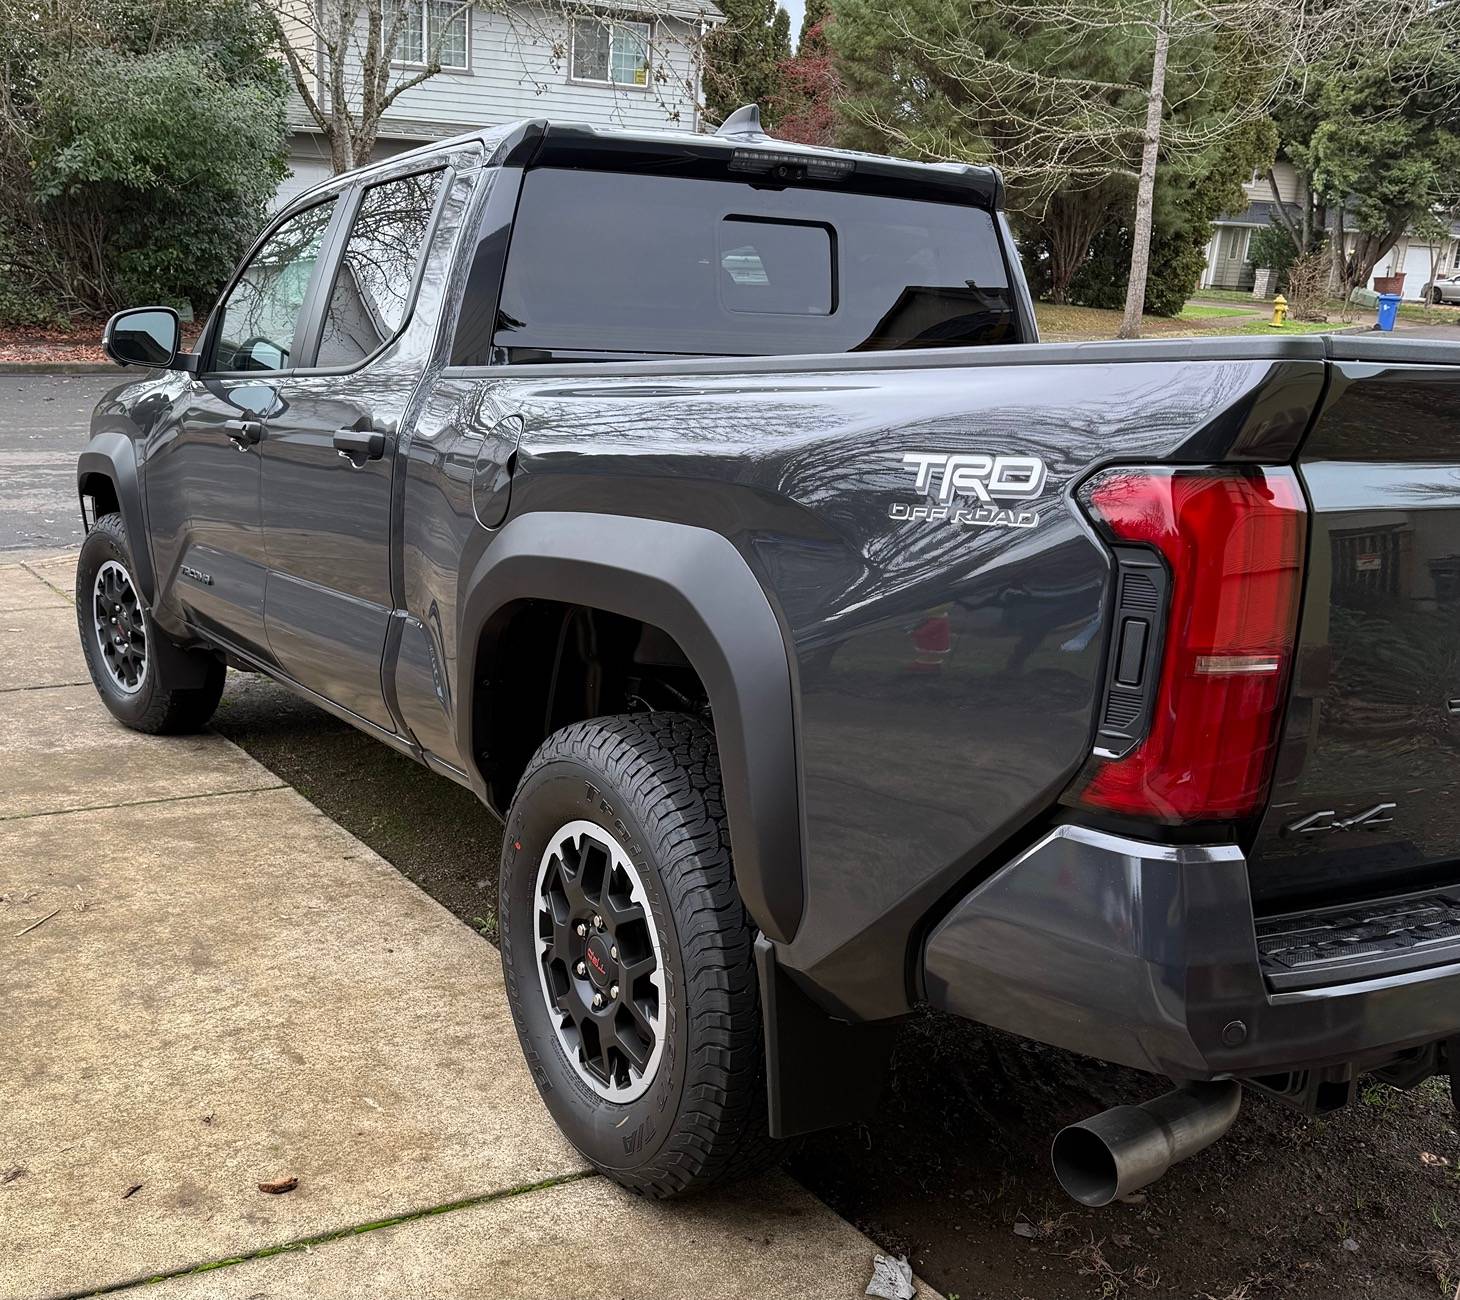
{"x":208,"y":986}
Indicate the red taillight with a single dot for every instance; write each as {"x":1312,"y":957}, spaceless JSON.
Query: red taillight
{"x":1233,"y":543}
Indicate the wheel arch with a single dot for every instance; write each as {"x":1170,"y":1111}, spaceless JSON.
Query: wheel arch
{"x":694,"y":585}
{"x":107,"y":471}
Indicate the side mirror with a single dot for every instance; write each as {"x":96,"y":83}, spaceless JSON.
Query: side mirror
{"x":144,"y":336}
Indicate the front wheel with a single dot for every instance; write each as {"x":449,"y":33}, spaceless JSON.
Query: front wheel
{"x":146,"y":683}
{"x":628,"y":954}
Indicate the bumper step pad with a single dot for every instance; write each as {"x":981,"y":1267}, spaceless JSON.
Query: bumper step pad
{"x":1334,"y":945}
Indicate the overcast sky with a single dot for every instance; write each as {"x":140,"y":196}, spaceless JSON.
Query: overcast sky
{"x":796,"y":8}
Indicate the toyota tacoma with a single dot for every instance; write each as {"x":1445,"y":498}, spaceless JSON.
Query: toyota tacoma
{"x":829,"y":646}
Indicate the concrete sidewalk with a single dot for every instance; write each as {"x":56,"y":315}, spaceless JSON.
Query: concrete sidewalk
{"x":208,"y":985}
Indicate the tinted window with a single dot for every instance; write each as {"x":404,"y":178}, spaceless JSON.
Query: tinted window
{"x":372,"y":291}
{"x":775,"y":267}
{"x":603,"y":263}
{"x":256,"y":328}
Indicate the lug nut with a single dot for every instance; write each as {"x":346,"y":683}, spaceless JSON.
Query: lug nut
{"x":613,"y":991}
{"x":598,"y":923}
{"x":613,"y":952}
{"x":597,"y":1001}
{"x":581,"y":969}
{"x":580,"y":929}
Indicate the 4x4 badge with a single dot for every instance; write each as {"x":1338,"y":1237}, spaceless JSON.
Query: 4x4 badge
{"x":1328,"y":820}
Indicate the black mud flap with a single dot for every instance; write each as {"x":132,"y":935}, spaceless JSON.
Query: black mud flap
{"x":821,"y":1072}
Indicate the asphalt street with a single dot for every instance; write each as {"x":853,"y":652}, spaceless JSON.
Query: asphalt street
{"x":43,"y":426}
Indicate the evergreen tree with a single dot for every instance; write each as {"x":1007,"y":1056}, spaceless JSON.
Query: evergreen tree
{"x":743,"y":56}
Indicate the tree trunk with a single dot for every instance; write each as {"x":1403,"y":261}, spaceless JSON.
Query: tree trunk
{"x":1140,"y":253}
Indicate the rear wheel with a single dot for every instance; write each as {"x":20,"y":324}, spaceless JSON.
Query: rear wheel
{"x":628,"y":954}
{"x":1437,"y":295}
{"x":147,"y":684}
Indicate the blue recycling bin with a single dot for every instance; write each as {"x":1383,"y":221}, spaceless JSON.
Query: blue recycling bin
{"x":1388,"y":312}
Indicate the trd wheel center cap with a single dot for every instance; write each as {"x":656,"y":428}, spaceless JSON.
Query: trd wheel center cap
{"x":600,"y":964}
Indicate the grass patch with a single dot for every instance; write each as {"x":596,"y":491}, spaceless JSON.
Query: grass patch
{"x":1197,"y":311}
{"x":1232,"y":295}
{"x":1085,"y":324}
{"x":1288,"y":327}
{"x":1429,"y":313}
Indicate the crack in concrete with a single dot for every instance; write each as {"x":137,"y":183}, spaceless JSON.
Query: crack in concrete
{"x":323,"y":1238}
{"x":43,"y":686}
{"x":41,"y":578}
{"x":141,"y":803}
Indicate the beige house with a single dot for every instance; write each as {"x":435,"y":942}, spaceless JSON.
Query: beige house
{"x":1229,"y":253}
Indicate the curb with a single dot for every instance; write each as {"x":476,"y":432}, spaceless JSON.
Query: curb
{"x":57,"y":368}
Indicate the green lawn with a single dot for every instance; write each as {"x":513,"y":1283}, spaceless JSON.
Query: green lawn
{"x":1233,"y":295}
{"x":1288,"y":327}
{"x":1199,"y":311}
{"x":1083,"y":324}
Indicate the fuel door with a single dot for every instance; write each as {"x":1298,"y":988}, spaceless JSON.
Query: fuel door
{"x":491,"y":479}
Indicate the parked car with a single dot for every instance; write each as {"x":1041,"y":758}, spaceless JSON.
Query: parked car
{"x":828,"y":646}
{"x":1446,"y":288}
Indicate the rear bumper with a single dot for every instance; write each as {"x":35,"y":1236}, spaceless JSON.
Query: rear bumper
{"x":1146,"y":955}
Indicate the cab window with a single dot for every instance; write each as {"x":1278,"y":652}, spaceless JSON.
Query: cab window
{"x":258,"y":320}
{"x":371,"y":297}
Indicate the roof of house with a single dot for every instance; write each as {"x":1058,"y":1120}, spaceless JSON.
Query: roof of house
{"x":1263,"y":212}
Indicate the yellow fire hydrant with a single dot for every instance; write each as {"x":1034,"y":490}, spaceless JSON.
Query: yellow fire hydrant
{"x":1279,"y":311}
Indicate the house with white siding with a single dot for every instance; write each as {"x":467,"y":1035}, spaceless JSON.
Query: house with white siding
{"x":580,"y":61}
{"x":1229,"y":254}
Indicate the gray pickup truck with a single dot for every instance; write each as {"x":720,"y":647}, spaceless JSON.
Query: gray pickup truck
{"x":828,"y":646}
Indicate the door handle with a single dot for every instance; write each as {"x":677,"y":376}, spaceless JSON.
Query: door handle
{"x":359,"y":445}
{"x":245,"y":433}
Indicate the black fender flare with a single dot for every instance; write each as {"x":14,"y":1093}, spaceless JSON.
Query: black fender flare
{"x":113,"y":456}
{"x":697,"y":587}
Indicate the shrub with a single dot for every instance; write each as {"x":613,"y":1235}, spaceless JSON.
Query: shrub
{"x":1308,"y":286}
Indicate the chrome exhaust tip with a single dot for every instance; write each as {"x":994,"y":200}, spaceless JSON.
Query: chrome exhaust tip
{"x":1126,"y":1148}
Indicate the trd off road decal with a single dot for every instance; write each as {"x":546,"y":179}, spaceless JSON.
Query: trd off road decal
{"x":968,"y":487}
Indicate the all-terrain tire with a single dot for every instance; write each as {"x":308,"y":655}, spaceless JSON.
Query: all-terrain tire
{"x":156,"y":702}
{"x":650,"y":783}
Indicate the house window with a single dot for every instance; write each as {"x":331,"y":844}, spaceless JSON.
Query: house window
{"x":610,"y":51}
{"x":427,"y":27}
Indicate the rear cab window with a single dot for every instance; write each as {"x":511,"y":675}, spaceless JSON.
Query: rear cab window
{"x":607,"y":265}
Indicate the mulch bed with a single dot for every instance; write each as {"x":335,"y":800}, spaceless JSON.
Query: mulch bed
{"x":79,"y":341}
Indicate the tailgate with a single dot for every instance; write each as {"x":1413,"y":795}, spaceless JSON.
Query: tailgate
{"x":1366,"y":801}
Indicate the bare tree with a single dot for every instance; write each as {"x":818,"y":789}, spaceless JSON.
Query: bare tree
{"x":350,"y":61}
{"x":1059,"y":125}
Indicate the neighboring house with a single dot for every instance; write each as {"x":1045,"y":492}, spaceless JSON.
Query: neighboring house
{"x":1229,"y":262}
{"x":583,"y":62}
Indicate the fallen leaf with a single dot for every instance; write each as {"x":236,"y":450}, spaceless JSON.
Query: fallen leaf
{"x":279,"y":1186}
{"x":132,"y":1190}
{"x":1025,"y":1230}
{"x":10,"y":1175}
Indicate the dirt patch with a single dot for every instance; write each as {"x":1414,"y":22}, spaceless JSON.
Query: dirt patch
{"x":1362,"y":1205}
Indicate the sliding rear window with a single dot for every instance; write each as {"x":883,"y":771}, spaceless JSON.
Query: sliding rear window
{"x":607,"y":264}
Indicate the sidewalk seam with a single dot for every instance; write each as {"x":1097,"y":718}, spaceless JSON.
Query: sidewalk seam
{"x":324,"y":1238}
{"x":142,"y":803}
